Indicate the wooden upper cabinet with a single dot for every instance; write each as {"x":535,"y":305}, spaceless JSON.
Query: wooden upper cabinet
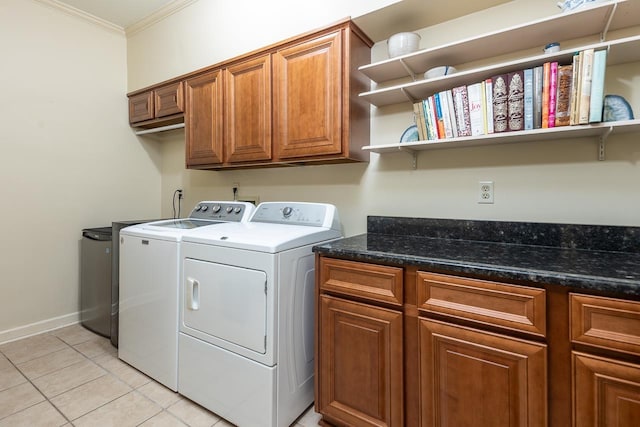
{"x":168,"y":100}
{"x":141,"y":107}
{"x":307,"y":98}
{"x":317,"y":112}
{"x":157,"y":106}
{"x":204,"y":119}
{"x":248,"y":110}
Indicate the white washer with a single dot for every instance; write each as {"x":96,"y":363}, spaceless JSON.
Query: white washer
{"x":246,"y":322}
{"x":150,"y":268}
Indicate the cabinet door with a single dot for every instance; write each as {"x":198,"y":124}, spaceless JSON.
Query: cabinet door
{"x":474,"y":378}
{"x":360,"y":363}
{"x":308,"y":98}
{"x":203,"y":119}
{"x":248,"y":110}
{"x":606,"y":392}
{"x":169,"y":100}
{"x":141,"y":107}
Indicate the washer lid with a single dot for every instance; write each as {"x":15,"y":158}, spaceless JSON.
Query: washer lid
{"x":261,"y":237}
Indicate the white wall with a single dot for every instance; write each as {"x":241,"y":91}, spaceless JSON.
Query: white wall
{"x":547,"y":181}
{"x":68,"y":159}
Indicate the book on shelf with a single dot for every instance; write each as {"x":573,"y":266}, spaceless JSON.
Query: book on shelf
{"x":537,"y":97}
{"x":574,"y":103}
{"x":565,"y":78}
{"x":500,"y":92}
{"x":546,"y":75}
{"x":461,"y":102}
{"x":488,"y":101}
{"x":439,"y":119}
{"x":446,"y":116}
{"x":418,"y":117}
{"x":586,"y":75}
{"x":452,"y":113}
{"x":597,"y":86}
{"x":474,"y":92}
{"x":528,"y":98}
{"x":427,"y":120}
{"x":553,"y":93}
{"x":432,"y":120}
{"x":515,"y":101}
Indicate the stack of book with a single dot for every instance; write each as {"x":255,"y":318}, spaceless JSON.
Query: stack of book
{"x":549,"y":95}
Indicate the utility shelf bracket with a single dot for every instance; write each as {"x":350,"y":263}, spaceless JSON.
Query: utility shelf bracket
{"x":409,"y":97}
{"x":603,"y":34}
{"x":413,"y":154}
{"x":408,"y":70}
{"x":602,"y":143}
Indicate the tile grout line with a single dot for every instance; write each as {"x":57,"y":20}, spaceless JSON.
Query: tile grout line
{"x":35,"y":387}
{"x":107,"y":372}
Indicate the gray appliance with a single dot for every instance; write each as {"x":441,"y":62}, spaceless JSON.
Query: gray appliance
{"x":95,"y":280}
{"x":99,"y":278}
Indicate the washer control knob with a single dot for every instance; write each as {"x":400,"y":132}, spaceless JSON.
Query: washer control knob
{"x":204,"y":208}
{"x":229,"y":209}
{"x":216,"y":208}
{"x":287,"y":211}
{"x":198,"y":208}
{"x":237,"y":210}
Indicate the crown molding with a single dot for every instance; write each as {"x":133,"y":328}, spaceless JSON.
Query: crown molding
{"x":159,"y":15}
{"x":70,"y":10}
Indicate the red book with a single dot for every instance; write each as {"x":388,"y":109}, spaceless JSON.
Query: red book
{"x":546,"y":75}
{"x":553,"y":91}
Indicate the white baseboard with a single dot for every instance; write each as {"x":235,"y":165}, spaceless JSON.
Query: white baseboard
{"x":39,"y":327}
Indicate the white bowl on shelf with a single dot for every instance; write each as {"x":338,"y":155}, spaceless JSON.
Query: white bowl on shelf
{"x":443,"y":70}
{"x":402,"y":44}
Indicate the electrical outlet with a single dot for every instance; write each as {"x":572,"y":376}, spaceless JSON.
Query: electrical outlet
{"x":485,"y":192}
{"x":180,"y":193}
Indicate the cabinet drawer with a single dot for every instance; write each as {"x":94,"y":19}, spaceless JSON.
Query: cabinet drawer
{"x":513,"y":307}
{"x":370,"y":281}
{"x":169,"y":100}
{"x":606,"y":323}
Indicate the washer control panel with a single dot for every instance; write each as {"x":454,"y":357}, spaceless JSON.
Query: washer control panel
{"x":222,"y":211}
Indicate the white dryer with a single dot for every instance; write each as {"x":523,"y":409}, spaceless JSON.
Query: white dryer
{"x":150,"y":270}
{"x":246,"y":323}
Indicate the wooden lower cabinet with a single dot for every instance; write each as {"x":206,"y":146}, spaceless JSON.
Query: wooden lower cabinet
{"x":606,"y":392}
{"x":360,"y":364}
{"x":396,"y":346}
{"x":480,"y":379}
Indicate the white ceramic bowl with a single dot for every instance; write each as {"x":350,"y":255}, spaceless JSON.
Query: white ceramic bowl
{"x":443,"y":70}
{"x":402,"y":43}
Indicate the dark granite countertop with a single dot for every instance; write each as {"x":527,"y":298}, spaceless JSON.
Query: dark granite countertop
{"x":581,"y":257}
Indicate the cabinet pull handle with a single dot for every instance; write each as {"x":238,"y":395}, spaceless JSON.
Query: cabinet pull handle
{"x":193,"y":294}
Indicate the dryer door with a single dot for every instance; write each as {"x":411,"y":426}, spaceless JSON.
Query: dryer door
{"x":226,"y":302}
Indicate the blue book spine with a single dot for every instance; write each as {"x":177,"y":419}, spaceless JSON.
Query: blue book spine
{"x":597,"y":86}
{"x":528,"y":99}
{"x":440,"y":121}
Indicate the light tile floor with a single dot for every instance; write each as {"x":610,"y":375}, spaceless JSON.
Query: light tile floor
{"x":73,"y":377}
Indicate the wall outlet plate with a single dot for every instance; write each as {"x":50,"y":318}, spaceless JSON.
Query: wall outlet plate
{"x":485,"y":192}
